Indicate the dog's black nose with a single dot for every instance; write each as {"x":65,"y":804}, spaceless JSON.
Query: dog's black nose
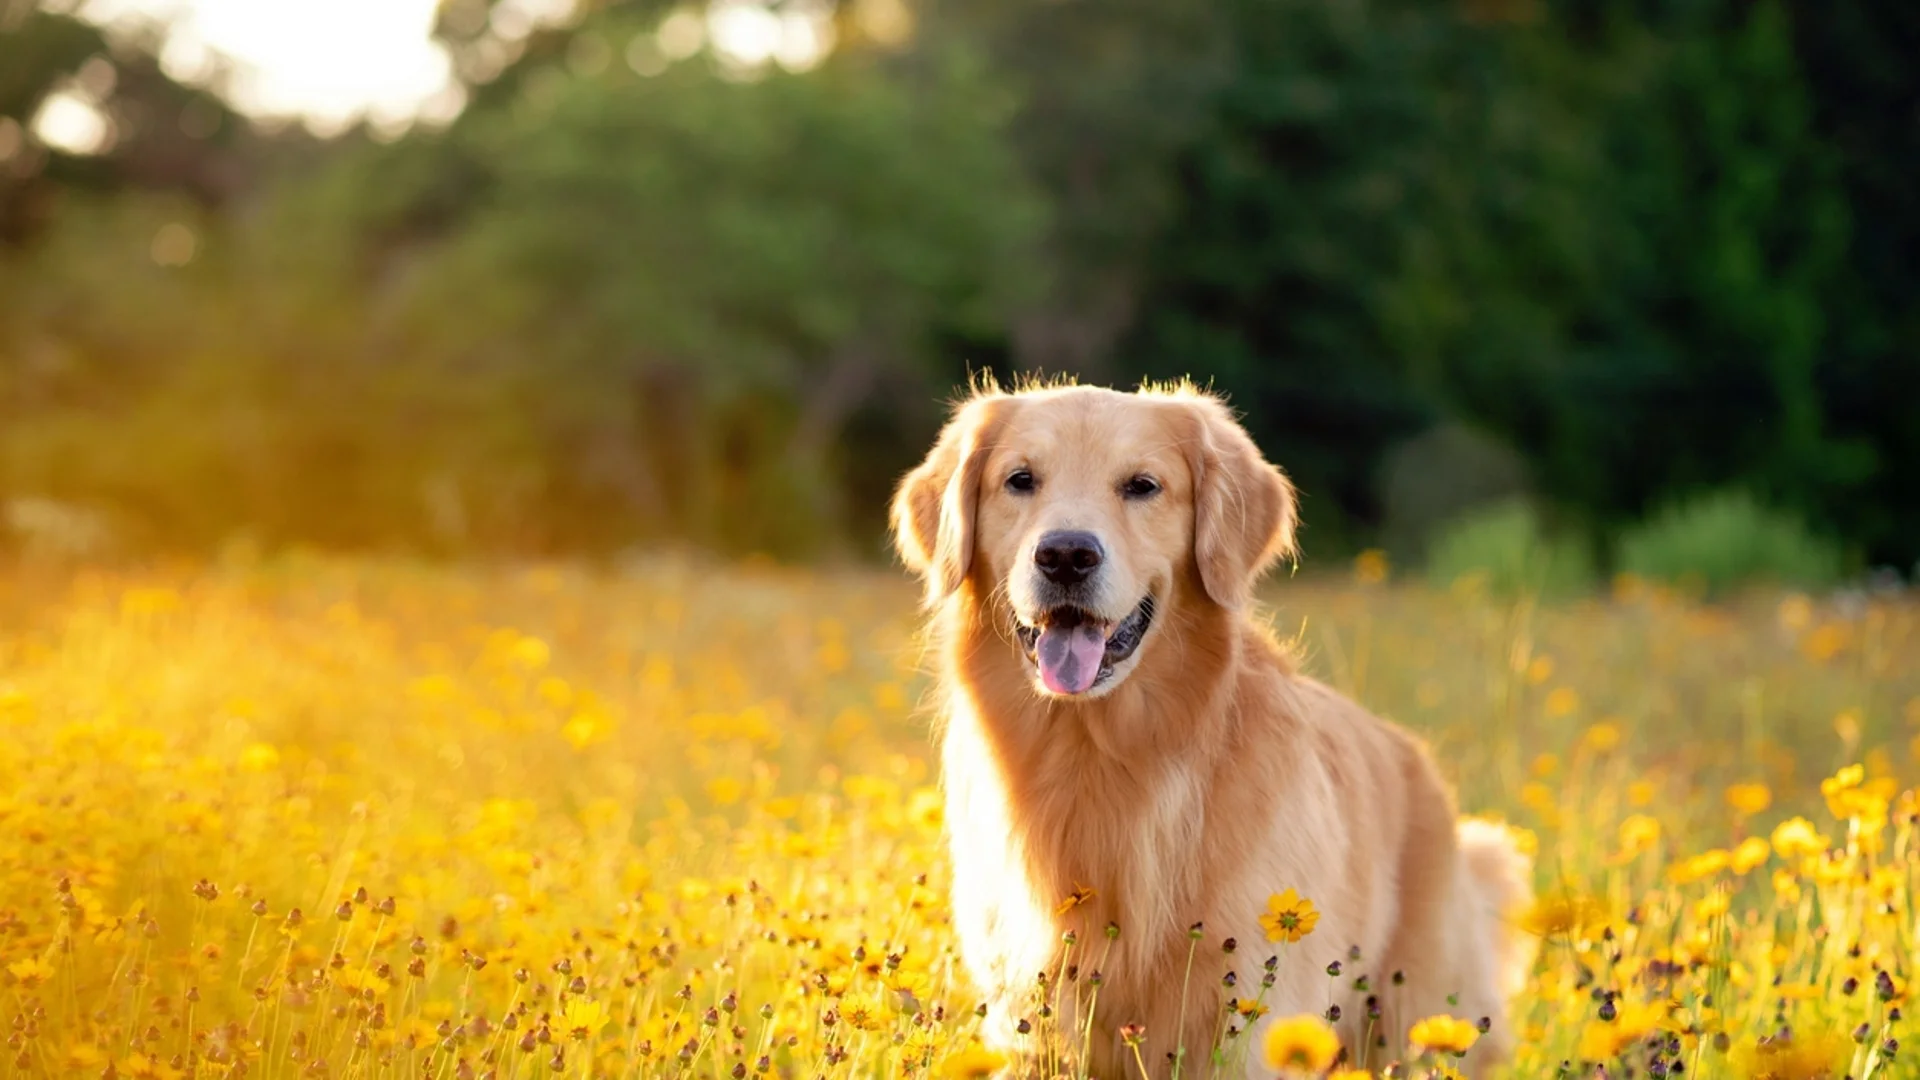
{"x":1067,"y":556}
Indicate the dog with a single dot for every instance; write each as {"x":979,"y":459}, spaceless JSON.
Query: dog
{"x":1133,"y":768}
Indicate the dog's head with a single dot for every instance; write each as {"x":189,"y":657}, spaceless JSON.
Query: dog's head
{"x":1088,"y":515}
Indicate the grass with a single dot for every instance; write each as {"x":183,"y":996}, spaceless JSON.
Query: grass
{"x":316,"y":818}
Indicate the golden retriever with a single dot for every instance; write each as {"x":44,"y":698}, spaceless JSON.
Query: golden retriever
{"x":1124,"y":747}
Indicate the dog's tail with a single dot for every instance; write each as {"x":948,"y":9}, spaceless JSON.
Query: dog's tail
{"x":1502,"y":877}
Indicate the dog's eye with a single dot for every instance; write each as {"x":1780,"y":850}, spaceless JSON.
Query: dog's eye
{"x":1140,"y":487}
{"x":1020,"y":480}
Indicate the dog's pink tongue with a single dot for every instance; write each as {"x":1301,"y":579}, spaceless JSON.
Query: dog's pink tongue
{"x":1070,"y":656}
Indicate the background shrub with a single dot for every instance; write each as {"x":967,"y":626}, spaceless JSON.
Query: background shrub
{"x":1725,"y":540}
{"x":1506,"y":547}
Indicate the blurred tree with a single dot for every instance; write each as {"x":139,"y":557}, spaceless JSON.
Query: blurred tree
{"x":718,"y":274}
{"x":1609,"y":241}
{"x":1338,"y":236}
{"x":1110,"y":99}
{"x":604,"y":308}
{"x":153,"y":132}
{"x":1691,"y":359}
{"x":1858,"y":61}
{"x":647,"y":289}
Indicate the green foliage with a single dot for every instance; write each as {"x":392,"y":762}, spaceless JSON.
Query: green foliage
{"x":1727,"y":540}
{"x":1393,"y":217}
{"x":1295,"y":235}
{"x":776,"y":250}
{"x":1857,"y":61}
{"x":614,"y":309}
{"x":1437,"y":477}
{"x":160,"y":133}
{"x":1504,"y":549}
{"x":1639,"y":248}
{"x":1695,"y":358}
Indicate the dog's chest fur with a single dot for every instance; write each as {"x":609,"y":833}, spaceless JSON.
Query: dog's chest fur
{"x":1100,"y":836}
{"x":1102,"y":842}
{"x":1071,"y":820}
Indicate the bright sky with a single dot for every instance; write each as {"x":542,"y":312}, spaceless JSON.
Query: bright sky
{"x":329,"y":60}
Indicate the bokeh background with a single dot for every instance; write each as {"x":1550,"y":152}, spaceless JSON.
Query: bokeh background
{"x":1566,"y":286}
{"x":394,"y":395}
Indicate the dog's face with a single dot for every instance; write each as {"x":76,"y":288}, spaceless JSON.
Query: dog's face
{"x":1087,"y":515}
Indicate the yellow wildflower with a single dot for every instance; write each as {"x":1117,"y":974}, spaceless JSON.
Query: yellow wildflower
{"x":1443,"y":1034}
{"x":259,"y":757}
{"x":1786,"y":886}
{"x":531,"y":653}
{"x":973,"y":1063}
{"x":1301,"y":1044}
{"x":1602,"y":737}
{"x":1712,"y":907}
{"x":1634,"y":1021}
{"x":583,"y":1018}
{"x":586,"y":727}
{"x":1836,"y":787}
{"x":1752,"y":852}
{"x":1795,"y":837}
{"x":1847,"y":726}
{"x":1539,"y":798}
{"x":1638,"y":834}
{"x":1704,"y":865}
{"x":1080,"y":895}
{"x":32,"y":971}
{"x":1800,"y":1057}
{"x":1825,"y":642}
{"x":1553,"y":915}
{"x":862,"y":1014}
{"x":917,"y":1052}
{"x":1562,"y":701}
{"x":1289,"y":917}
{"x":1749,"y":799}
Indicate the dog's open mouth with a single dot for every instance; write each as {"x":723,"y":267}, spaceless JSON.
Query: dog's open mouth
{"x":1075,"y":652}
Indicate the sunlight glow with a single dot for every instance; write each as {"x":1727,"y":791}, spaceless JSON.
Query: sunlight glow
{"x":68,"y":121}
{"x":515,"y":19}
{"x":748,"y":35}
{"x":681,"y":35}
{"x":746,"y":32}
{"x":329,"y":61}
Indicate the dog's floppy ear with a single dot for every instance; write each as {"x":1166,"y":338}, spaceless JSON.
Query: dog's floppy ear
{"x":934,"y":507}
{"x":1243,"y":507}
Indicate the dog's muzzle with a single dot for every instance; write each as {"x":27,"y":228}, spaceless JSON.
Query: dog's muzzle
{"x":1075,"y":652}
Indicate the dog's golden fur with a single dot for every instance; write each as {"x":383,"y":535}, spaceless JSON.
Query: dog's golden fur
{"x":1203,"y":776}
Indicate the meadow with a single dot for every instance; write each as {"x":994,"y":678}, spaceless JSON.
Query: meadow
{"x":309,"y":817}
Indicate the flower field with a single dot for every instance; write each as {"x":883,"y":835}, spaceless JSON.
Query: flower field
{"x":317,"y":818}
